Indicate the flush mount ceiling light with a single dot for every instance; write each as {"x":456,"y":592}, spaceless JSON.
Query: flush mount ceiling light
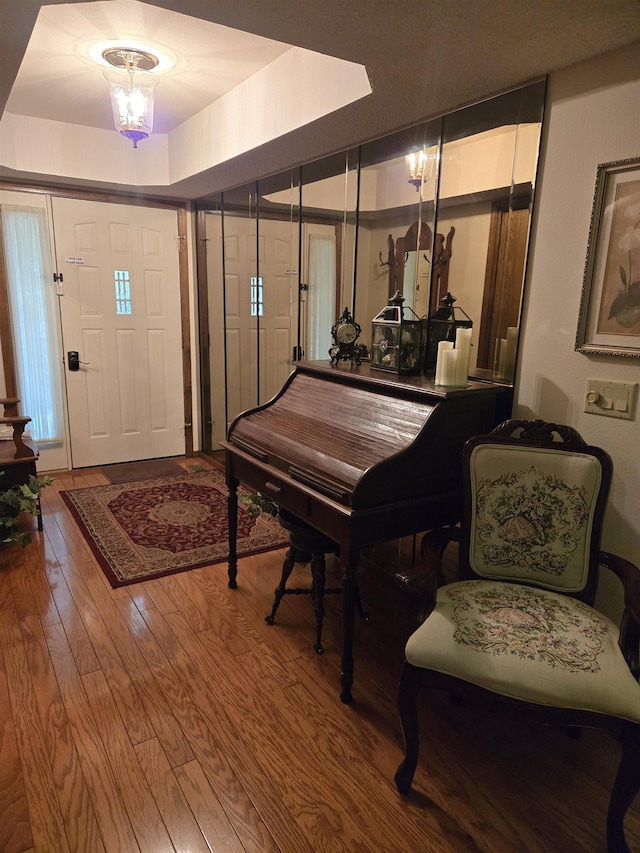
{"x":131,"y":89}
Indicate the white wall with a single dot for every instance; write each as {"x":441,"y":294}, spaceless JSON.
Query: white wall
{"x":593,"y":117}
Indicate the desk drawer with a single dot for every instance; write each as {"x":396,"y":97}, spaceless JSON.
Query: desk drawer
{"x":271,"y":485}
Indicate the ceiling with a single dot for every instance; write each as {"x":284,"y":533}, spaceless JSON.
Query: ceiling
{"x":423,"y":58}
{"x":199,"y":61}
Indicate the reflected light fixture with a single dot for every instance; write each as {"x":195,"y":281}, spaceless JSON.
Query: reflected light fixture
{"x":131,"y":89}
{"x":417,"y":161}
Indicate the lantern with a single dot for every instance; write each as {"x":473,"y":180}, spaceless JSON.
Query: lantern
{"x":442,"y":327}
{"x":397,"y":338}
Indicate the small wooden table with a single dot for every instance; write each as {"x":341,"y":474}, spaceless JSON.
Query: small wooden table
{"x":18,"y":454}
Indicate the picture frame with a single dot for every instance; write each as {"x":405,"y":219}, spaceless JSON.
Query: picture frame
{"x":609,"y":318}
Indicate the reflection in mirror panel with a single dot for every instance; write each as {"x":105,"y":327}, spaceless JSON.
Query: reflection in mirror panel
{"x":487,"y":177}
{"x":329,"y":208}
{"x":443,"y":207}
{"x":396,"y":211}
{"x":212,"y":317}
{"x":261,"y":293}
{"x":241,"y":250}
{"x":277,"y":323}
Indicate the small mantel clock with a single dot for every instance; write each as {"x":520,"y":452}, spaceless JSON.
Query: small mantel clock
{"x":345,"y":332}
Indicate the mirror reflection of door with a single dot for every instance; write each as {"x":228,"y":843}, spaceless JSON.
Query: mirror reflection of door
{"x":277,"y":303}
{"x":506,"y":254}
{"x":243,"y":303}
{"x":261,"y":309}
{"x":320,"y":264}
{"x":329,"y":199}
{"x":252,"y":308}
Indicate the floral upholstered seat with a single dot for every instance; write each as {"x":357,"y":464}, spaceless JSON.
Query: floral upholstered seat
{"x":519,"y":626}
{"x":528,"y":644}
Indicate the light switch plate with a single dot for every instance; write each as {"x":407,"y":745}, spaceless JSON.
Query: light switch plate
{"x":612,"y":399}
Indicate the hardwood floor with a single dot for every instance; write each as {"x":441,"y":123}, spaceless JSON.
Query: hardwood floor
{"x":168,"y":716}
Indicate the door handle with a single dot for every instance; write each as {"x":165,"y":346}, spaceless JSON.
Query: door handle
{"x":73,"y":360}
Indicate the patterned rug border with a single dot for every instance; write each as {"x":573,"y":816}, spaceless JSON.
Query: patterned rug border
{"x":72,"y":500}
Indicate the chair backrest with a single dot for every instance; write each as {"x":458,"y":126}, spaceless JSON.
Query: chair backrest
{"x":534,"y":501}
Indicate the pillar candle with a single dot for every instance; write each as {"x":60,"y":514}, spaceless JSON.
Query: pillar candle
{"x":502,"y":361}
{"x":463,"y":348}
{"x":510,"y":353}
{"x":442,"y":346}
{"x":449,"y":366}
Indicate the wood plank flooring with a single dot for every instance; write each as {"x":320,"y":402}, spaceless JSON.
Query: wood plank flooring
{"x":168,"y":717}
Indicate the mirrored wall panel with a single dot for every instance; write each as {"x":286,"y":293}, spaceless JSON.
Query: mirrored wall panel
{"x":438,"y":214}
{"x":396,"y":223}
{"x":487,"y":177}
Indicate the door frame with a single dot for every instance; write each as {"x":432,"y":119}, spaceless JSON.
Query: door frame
{"x":181,"y":209}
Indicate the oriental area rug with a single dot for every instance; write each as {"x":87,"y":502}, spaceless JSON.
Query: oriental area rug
{"x":149,"y":528}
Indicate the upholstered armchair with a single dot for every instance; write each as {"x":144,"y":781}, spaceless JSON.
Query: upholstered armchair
{"x":517,"y":629}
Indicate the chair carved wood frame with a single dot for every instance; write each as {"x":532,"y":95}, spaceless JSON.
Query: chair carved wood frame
{"x":534,"y":501}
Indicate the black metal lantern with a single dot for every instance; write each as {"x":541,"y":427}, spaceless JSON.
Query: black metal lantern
{"x":397,"y":338}
{"x":442,"y":327}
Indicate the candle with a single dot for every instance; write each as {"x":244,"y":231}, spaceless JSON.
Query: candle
{"x":510,"y":353}
{"x":442,"y":346}
{"x":463,"y":347}
{"x":502,"y":362}
{"x":449,"y":367}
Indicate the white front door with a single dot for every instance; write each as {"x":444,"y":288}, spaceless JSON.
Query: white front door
{"x":121,"y":313}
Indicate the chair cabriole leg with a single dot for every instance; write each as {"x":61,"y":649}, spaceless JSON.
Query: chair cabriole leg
{"x":625,"y":787}
{"x":408,"y":708}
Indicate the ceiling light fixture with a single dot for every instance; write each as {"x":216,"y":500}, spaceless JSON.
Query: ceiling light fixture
{"x":417,"y":163}
{"x":131,"y":89}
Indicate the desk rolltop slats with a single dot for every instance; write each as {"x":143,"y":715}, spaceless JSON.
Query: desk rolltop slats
{"x":363,"y":441}
{"x":331,"y":430}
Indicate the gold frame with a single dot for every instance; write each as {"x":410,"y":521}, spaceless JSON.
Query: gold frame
{"x":609,"y":318}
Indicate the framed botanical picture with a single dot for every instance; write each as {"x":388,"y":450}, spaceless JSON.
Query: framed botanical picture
{"x":609,"y":320}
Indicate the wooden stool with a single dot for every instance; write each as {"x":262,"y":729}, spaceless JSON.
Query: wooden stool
{"x":307,"y":545}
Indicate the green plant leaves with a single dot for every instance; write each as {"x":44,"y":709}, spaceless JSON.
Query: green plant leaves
{"x":13,"y":502}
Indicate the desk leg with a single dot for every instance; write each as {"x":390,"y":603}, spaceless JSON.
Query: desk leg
{"x":232,"y":520}
{"x":349,"y":593}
